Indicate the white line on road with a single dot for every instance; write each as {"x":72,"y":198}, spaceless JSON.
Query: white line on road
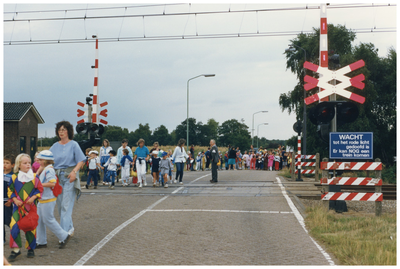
{"x":219,"y":211}
{"x":300,"y":218}
{"x":104,"y":241}
{"x":199,"y":178}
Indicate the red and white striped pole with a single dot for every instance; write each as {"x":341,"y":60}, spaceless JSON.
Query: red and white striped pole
{"x":323,"y":42}
{"x":299,"y":158}
{"x":95,"y":118}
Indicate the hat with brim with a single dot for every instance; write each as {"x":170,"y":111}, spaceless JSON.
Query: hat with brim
{"x":164,"y":153}
{"x":46,"y":155}
{"x":94,"y":151}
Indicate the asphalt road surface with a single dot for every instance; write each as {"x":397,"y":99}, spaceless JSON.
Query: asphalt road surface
{"x":245,"y":219}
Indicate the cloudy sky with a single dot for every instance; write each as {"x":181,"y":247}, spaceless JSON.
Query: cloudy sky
{"x":144,"y":81}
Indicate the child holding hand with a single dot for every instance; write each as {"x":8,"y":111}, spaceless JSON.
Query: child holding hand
{"x":165,"y":167}
{"x":23,"y":181}
{"x":48,"y":202}
{"x":126,"y":162}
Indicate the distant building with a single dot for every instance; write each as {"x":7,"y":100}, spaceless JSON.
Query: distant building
{"x":21,"y":128}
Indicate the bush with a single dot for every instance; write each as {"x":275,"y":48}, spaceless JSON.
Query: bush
{"x":389,"y":174}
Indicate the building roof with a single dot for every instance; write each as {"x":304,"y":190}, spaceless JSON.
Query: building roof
{"x":16,"y":111}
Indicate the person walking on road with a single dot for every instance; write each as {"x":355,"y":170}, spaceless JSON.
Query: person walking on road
{"x":208,"y":158}
{"x":232,"y":158}
{"x":68,"y":160}
{"x":180,"y":157}
{"x":142,"y":156}
{"x":214,"y":161}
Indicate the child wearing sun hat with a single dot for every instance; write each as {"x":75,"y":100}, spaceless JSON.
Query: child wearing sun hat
{"x":48,"y":202}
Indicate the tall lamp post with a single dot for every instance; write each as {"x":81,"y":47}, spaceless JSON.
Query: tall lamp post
{"x":257,"y":130}
{"x":292,"y":49}
{"x":252,"y":126}
{"x":187,"y":115}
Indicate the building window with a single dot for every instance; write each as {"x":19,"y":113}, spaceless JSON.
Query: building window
{"x":22,"y":144}
{"x":33,"y":147}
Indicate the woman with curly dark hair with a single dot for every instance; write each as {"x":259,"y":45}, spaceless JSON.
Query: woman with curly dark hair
{"x":68,"y":159}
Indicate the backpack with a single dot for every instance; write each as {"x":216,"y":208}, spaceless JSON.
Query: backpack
{"x":30,"y":220}
{"x":57,"y":189}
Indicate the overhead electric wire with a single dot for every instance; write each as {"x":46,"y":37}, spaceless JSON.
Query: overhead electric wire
{"x":179,"y":37}
{"x":82,"y":9}
{"x":193,"y":13}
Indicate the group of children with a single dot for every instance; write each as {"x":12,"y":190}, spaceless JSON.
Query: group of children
{"x":25,"y":193}
{"x":93,"y":167}
{"x":160,"y":163}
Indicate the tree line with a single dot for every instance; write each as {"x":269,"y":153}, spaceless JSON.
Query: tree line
{"x":230,"y":132}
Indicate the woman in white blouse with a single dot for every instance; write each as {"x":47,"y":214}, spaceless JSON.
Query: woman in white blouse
{"x":179,"y":156}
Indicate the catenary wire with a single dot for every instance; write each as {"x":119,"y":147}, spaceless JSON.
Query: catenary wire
{"x":189,"y":13}
{"x":188,"y":37}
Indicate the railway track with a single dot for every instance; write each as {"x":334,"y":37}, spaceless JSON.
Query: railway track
{"x":389,"y":190}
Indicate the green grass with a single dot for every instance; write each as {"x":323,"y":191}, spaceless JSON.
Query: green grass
{"x":355,"y":239}
{"x":285,"y":172}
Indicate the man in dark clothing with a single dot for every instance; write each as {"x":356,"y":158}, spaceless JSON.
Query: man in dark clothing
{"x":208,"y":159}
{"x":232,"y":158}
{"x":214,"y":161}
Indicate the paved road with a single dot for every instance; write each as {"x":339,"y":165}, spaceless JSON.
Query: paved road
{"x":245,"y":219}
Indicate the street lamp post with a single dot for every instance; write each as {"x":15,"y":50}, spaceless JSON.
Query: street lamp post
{"x":257,"y":130}
{"x":291,"y":49}
{"x":252,"y":126}
{"x":187,"y":105}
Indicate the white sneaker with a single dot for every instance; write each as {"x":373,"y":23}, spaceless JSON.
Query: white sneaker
{"x":140,"y":185}
{"x":181,"y":183}
{"x":112,"y":187}
{"x":71,"y":231}
{"x":175,"y":181}
{"x":154,"y":184}
{"x":104,"y":183}
{"x":166,"y":186}
{"x":145,"y":182}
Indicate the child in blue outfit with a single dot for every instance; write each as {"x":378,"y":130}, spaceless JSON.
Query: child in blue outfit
{"x":126,"y":162}
{"x":93,"y":164}
{"x":111,"y":166}
{"x":47,"y":203}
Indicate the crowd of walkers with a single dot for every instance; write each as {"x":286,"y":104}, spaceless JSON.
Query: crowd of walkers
{"x":32,"y":190}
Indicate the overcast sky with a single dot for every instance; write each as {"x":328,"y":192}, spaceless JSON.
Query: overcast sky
{"x":145,"y":81}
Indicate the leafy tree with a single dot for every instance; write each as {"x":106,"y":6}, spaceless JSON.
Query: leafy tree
{"x":181,"y":131}
{"x":234,"y":133}
{"x":377,"y":114}
{"x":114,"y":133}
{"x":142,"y":132}
{"x":161,"y":135}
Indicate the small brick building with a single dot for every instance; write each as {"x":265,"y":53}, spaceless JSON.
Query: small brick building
{"x":21,"y":128}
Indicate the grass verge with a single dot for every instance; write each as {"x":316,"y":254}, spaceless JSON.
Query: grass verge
{"x":354,"y":238}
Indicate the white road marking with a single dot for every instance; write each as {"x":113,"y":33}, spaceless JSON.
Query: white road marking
{"x":300,"y":219}
{"x":104,"y":241}
{"x":219,"y":211}
{"x":199,"y":178}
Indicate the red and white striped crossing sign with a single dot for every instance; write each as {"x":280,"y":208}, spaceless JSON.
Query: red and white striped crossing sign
{"x":370,"y":166}
{"x":352,"y":181}
{"x":82,"y":113}
{"x":352,"y":196}
{"x":337,"y":75}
